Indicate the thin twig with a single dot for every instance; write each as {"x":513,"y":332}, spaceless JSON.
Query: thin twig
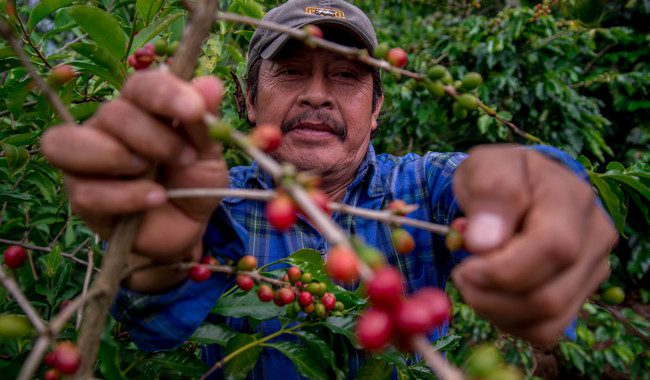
{"x":52,"y":97}
{"x":10,"y":284}
{"x":621,"y":318}
{"x":435,"y":361}
{"x":70,"y":255}
{"x":89,"y":273}
{"x":33,"y":361}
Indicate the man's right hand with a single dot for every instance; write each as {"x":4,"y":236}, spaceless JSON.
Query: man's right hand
{"x":157,"y":119}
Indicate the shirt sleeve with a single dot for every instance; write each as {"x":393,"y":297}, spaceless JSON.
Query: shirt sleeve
{"x":165,"y":320}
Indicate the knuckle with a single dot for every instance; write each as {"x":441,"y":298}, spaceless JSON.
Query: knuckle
{"x":565,"y":246}
{"x":549,"y":304}
{"x":112,"y":113}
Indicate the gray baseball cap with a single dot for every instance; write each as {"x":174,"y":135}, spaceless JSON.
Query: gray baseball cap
{"x":337,"y":14}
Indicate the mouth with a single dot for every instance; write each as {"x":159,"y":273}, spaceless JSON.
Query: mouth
{"x":315,"y":125}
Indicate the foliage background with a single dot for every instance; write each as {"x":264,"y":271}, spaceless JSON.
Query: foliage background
{"x":579,"y":86}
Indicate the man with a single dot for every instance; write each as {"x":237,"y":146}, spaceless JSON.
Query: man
{"x":539,"y":242}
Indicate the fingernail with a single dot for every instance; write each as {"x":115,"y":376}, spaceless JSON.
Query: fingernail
{"x":156,"y":197}
{"x":485,"y":231}
{"x":187,"y":155}
{"x":187,"y":105}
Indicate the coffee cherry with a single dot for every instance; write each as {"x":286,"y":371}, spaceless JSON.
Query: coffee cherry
{"x":381,"y":51}
{"x":374,"y":329}
{"x":14,"y":256}
{"x":61,"y":74}
{"x":285,"y":278}
{"x":322,"y":289}
{"x":321,"y":200}
{"x":403,"y":241}
{"x":485,"y":359}
{"x":397,"y":57}
{"x":172,"y":47}
{"x":209,"y":260}
{"x":342,"y":264}
{"x":447,"y":78}
{"x":247,"y":263}
{"x":436,"y":302}
{"x":614,"y":295}
{"x":306,"y":278}
{"x":294,"y":274}
{"x":220,"y":130}
{"x":68,"y":358}
{"x":309,"y":308}
{"x":329,"y":301}
{"x":298,"y":284}
{"x":313,"y":288}
{"x":411,"y":318}
{"x":320,"y":311}
{"x":50,"y":359}
{"x":265,"y":293}
{"x":276,"y":299}
{"x":281,"y":212}
{"x":160,"y":46}
{"x":266,"y":137}
{"x":293,"y":310}
{"x":457,"y":84}
{"x":305,"y":299}
{"x":437,"y":72}
{"x":339,"y":306}
{"x":386,"y":287}
{"x":14,"y":326}
{"x":52,"y":374}
{"x":313,"y":31}
{"x":459,"y":224}
{"x":468,"y":101}
{"x":372,"y":257}
{"x":459,"y":111}
{"x":286,"y":296}
{"x":436,"y":89}
{"x":471,"y":81}
{"x":454,"y":240}
{"x":245,"y":282}
{"x":199,"y":273}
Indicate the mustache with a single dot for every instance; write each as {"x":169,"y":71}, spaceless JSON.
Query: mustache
{"x":338,"y":127}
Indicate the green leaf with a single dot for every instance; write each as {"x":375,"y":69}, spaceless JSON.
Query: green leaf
{"x":374,"y":369}
{"x":17,"y":158}
{"x":306,"y":363}
{"x":105,"y":74}
{"x":148,"y":9}
{"x":44,"y":9}
{"x":342,"y":325}
{"x":83,"y":111}
{"x":13,"y":196}
{"x":213,"y":334}
{"x":151,"y":31}
{"x":484,"y":123}
{"x":247,"y":304}
{"x":101,"y":57}
{"x":52,"y":261}
{"x":109,"y":358}
{"x":610,"y":199}
{"x":102,"y":27}
{"x":172,"y":365}
{"x":241,"y":364}
{"x":19,"y":139}
{"x":631,"y":182}
{"x":447,"y":343}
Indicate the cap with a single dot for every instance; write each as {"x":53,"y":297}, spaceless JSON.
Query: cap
{"x":297,"y":13}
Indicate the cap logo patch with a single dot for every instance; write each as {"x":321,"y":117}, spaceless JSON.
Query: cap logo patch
{"x":323,"y":11}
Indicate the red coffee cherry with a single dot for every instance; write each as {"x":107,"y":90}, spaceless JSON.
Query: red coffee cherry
{"x":411,"y":317}
{"x":374,"y":329}
{"x":294,"y":274}
{"x":281,"y":212}
{"x":459,"y":224}
{"x":61,"y":74}
{"x":386,"y":288}
{"x":342,"y":264}
{"x":209,"y":260}
{"x":399,"y":207}
{"x":247,"y":263}
{"x":52,"y":374}
{"x":309,"y":308}
{"x":50,"y":359}
{"x":68,"y":358}
{"x":265,"y":293}
{"x":286,"y":295}
{"x":199,"y":273}
{"x":305,"y":299}
{"x":313,"y":31}
{"x":266,"y":137}
{"x":14,"y":256}
{"x":436,"y":302}
{"x":403,"y":241}
{"x":245,"y":282}
{"x":329,"y":301}
{"x":321,"y":200}
{"x":397,"y":57}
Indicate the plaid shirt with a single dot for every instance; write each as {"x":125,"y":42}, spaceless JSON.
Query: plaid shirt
{"x":239,"y":227}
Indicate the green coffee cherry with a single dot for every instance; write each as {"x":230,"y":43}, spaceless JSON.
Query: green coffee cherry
{"x":437,"y":89}
{"x":437,"y":72}
{"x":447,"y":78}
{"x":306,"y":278}
{"x":472,"y":81}
{"x":614,"y":295}
{"x":485,"y":360}
{"x":372,"y":257}
{"x":459,"y":111}
{"x":171,"y":48}
{"x":220,"y":131}
{"x":313,"y":288}
{"x":14,"y":326}
{"x":468,"y":101}
{"x":457,"y":84}
{"x":320,"y":310}
{"x":160,"y":46}
{"x":381,"y":51}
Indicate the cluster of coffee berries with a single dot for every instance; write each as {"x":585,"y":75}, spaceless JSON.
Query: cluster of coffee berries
{"x":541,"y":9}
{"x":395,"y":56}
{"x":486,"y":363}
{"x":61,"y":74}
{"x":14,"y":256}
{"x":143,"y":57}
{"x":65,"y":359}
{"x":282,"y":212}
{"x":394,"y":318}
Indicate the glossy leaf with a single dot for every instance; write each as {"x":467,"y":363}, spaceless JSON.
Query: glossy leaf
{"x":102,"y":27}
{"x":240,"y":365}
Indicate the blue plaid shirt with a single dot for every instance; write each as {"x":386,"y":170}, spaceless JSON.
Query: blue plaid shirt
{"x":239,"y":227}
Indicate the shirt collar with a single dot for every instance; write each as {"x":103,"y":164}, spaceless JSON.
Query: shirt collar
{"x":367,"y":173}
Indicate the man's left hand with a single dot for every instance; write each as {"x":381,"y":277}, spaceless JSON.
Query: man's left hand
{"x":538,"y":239}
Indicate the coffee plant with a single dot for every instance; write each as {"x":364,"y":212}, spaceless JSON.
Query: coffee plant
{"x":572,"y":74}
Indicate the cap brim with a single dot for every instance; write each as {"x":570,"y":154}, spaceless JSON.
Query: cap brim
{"x":361,"y":40}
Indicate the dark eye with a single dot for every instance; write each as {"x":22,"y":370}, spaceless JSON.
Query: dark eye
{"x":345,"y":75}
{"x":290,"y":71}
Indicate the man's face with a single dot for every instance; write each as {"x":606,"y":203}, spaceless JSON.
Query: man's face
{"x":323,"y":103}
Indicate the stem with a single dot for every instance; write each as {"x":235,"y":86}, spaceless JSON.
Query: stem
{"x":70,"y":255}
{"x":84,"y":291}
{"x":245,"y":347}
{"x":619,"y":317}
{"x":443,"y":369}
{"x":10,"y":284}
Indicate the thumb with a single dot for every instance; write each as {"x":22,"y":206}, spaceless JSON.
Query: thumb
{"x":492,"y":188}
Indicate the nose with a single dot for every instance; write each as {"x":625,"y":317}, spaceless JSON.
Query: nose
{"x":316,"y":93}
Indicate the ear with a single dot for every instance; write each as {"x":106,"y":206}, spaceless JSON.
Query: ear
{"x":375,"y":113}
{"x":250,"y":108}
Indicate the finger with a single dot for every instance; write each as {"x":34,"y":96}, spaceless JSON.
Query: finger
{"x":142,"y":133}
{"x":88,"y":150}
{"x":211,"y":89}
{"x":493,"y":197}
{"x":161,"y":93}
